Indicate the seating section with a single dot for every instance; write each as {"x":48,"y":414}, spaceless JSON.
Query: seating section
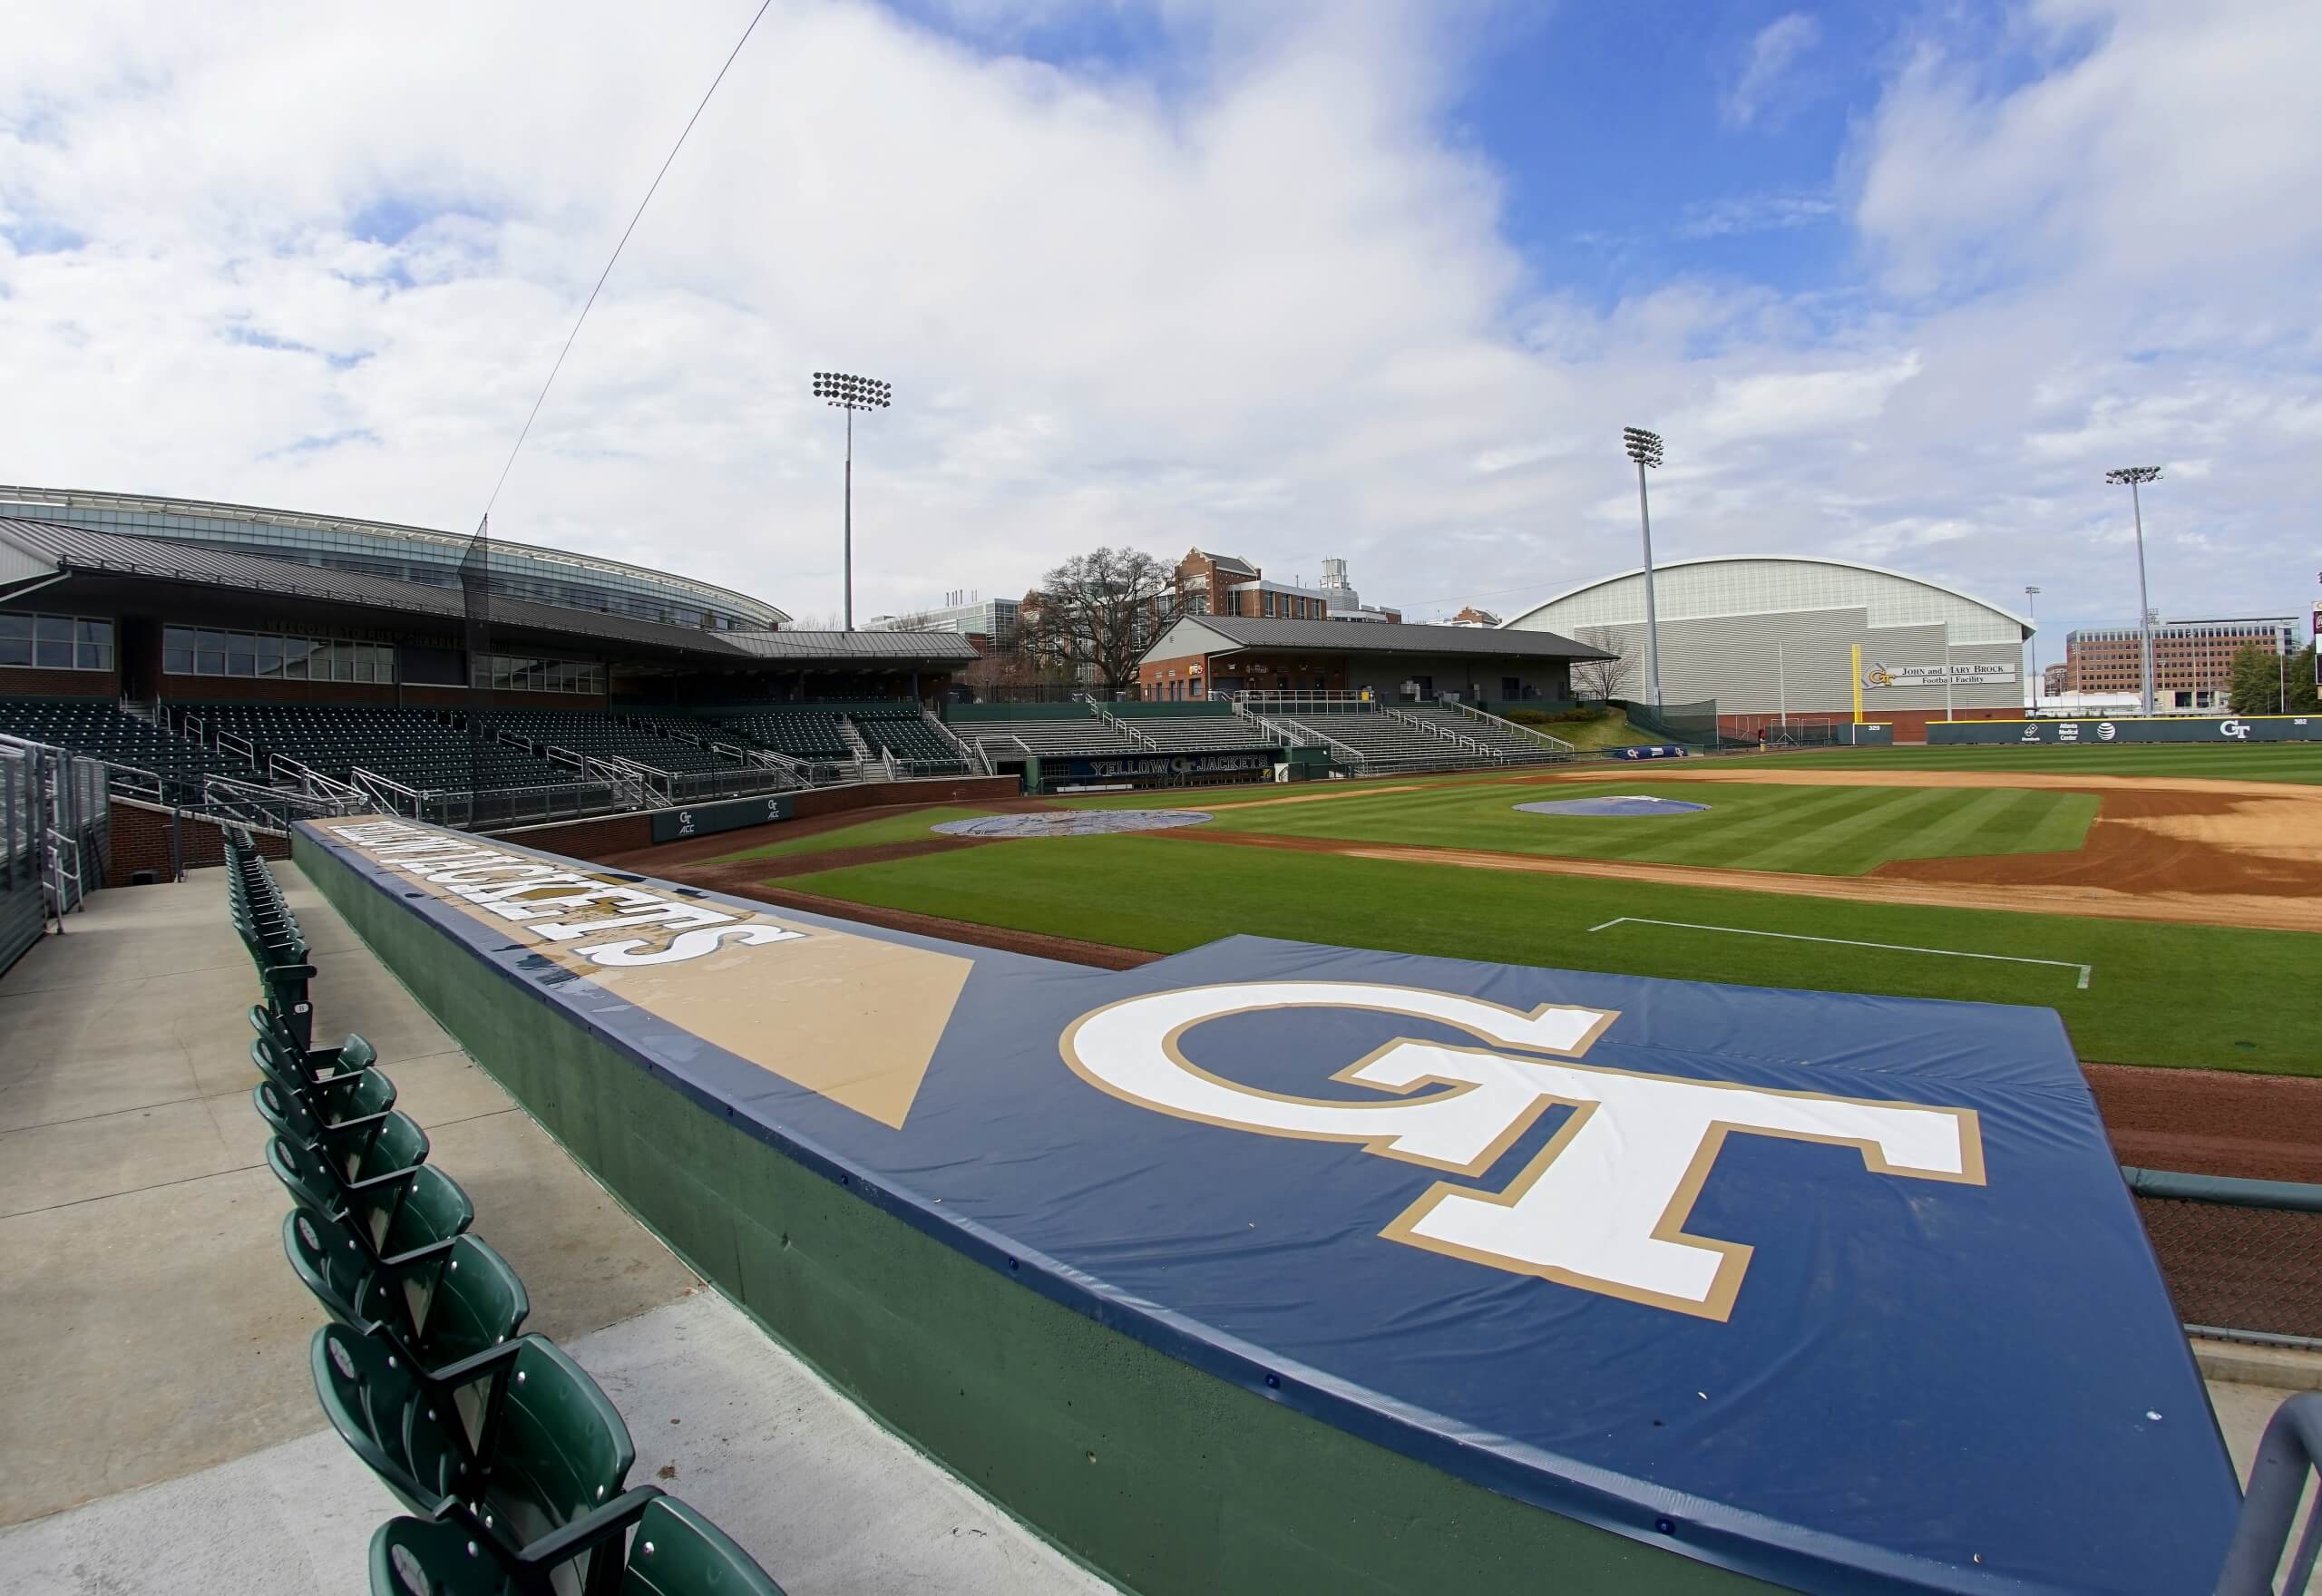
{"x":412,"y":747}
{"x":904,"y":731}
{"x":1516,"y":746}
{"x":1082,"y":737}
{"x":1384,"y":740}
{"x":98,"y":728}
{"x":514,"y":1459}
{"x":646,"y":743}
{"x":801,"y":732}
{"x":1189,"y":733}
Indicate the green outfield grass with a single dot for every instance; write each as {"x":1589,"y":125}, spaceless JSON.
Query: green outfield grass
{"x":2232,"y":761}
{"x":2158,"y":994}
{"x":1822,"y":831}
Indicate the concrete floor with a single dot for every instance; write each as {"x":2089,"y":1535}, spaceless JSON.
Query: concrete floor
{"x":159,"y":1431}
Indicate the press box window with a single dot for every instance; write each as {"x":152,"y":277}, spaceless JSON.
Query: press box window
{"x":57,"y":642}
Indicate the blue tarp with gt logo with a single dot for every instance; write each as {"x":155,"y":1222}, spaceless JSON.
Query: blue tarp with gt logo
{"x":1841,"y":1291}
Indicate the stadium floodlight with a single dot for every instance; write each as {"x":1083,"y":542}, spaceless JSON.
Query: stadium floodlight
{"x":2136,"y":476}
{"x":2031,"y":604}
{"x":1644,"y":448}
{"x":845,"y":391}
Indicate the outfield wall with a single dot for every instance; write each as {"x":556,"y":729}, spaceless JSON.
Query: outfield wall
{"x":2231,"y":728}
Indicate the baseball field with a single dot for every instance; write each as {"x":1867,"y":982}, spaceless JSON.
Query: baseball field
{"x":2165,"y":900}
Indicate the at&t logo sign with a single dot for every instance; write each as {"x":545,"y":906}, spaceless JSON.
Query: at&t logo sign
{"x":1602,"y":1207}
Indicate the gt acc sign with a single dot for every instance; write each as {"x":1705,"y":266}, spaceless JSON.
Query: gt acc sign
{"x":1602,"y":1207}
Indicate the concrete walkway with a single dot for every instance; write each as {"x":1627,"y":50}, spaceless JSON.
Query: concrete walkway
{"x":158,"y":1430}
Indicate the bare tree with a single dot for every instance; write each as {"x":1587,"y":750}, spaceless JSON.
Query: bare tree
{"x":1596,"y":679}
{"x":1097,"y":613}
{"x":816,"y":621}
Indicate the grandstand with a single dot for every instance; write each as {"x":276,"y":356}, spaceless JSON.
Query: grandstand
{"x":218,"y":654}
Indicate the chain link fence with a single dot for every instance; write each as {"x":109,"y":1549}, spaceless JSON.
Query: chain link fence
{"x":2242,"y":1257}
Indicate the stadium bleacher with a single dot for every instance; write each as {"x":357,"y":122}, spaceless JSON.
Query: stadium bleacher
{"x":98,"y":728}
{"x":514,"y":1458}
{"x":411,"y":747}
{"x":903,"y":730}
{"x":803,"y":733}
{"x":1385,"y":740}
{"x":1082,"y":737}
{"x":642,"y":739}
{"x":1187,"y":734}
{"x":1508,"y":742}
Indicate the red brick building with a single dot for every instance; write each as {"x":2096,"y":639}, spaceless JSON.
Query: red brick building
{"x":1222,"y":584}
{"x":2192,"y":660}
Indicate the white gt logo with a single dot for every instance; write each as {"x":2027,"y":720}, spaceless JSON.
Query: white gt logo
{"x":1602,"y":1207}
{"x":2234,"y":728}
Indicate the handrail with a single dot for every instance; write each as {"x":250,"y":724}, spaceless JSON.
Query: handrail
{"x":1106,"y":718}
{"x":1025,"y":747}
{"x":61,"y":844}
{"x":1446,"y":733}
{"x":972,"y":757}
{"x":1361,"y":759}
{"x":385,"y":789}
{"x":2290,"y":1451}
{"x":1502,"y":721}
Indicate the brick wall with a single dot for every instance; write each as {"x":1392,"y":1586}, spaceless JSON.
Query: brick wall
{"x":140,"y":840}
{"x":25,"y":681}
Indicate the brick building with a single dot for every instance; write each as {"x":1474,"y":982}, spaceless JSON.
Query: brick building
{"x":2192,"y":660}
{"x":1222,"y":584}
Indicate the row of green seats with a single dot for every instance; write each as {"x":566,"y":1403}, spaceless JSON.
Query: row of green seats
{"x":515,"y":1461}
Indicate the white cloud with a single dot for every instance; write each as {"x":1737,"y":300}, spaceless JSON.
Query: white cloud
{"x":322,"y":259}
{"x":1767,"y":71}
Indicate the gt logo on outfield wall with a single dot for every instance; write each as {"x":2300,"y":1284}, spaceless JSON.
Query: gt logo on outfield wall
{"x":1602,"y":1207}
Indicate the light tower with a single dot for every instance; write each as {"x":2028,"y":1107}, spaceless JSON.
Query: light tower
{"x":1644,"y":448}
{"x":2032,"y":603}
{"x":851,"y":393}
{"x":2136,"y":476}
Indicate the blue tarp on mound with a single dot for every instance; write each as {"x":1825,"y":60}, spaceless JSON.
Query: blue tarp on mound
{"x":1890,"y":1373}
{"x":1623,"y":806}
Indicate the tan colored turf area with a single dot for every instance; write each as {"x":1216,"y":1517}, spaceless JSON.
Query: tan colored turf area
{"x":2198,"y":850}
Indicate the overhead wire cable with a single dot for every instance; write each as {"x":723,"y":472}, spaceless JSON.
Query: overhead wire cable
{"x":625,"y":233}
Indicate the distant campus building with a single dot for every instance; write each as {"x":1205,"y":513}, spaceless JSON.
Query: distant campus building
{"x":1769,"y":636}
{"x":1222,"y":584}
{"x":2192,"y":660}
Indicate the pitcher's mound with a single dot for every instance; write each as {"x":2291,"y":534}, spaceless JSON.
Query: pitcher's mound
{"x":1628,"y":806}
{"x":1086,"y":822}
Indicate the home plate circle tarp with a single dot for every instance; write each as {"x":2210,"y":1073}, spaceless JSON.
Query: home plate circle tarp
{"x":1086,"y":823}
{"x":1839,"y":1291}
{"x":1625,"y":806}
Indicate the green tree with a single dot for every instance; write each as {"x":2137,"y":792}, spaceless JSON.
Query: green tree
{"x":2261,"y":676}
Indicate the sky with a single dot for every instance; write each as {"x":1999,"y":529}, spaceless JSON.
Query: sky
{"x":1289,"y":280}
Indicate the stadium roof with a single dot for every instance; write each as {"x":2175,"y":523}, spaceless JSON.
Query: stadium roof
{"x":1515,"y":622}
{"x":1232,"y":632}
{"x":53,"y":550}
{"x":86,"y":502}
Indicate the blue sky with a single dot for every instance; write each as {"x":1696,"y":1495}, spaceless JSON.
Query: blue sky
{"x":1292,"y":278}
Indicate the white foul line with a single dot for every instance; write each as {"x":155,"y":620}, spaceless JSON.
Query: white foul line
{"x":1848,"y":942}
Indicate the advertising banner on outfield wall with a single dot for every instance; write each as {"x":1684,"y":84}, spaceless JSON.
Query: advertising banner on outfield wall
{"x":2232,"y":728}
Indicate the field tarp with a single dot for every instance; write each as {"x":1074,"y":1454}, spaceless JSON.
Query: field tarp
{"x":1842,"y":1292}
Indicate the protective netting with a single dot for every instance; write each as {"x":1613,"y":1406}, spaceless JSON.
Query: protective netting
{"x":1089,"y":822}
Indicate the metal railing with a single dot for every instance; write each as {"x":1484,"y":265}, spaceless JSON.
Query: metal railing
{"x":1108,"y":719}
{"x":1437,"y":729}
{"x":1514,"y":726}
{"x":1309,"y":736}
{"x":973,"y":758}
{"x":2289,"y":1453}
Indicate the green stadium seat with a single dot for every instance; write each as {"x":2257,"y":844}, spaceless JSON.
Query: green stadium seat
{"x":335,"y":1108}
{"x":671,"y":1551}
{"x":440,"y":1307}
{"x":307,"y":1063}
{"x":546,"y":1447}
{"x":395,"y":1217}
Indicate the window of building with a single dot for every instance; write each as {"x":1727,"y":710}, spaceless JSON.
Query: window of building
{"x":510,"y":672}
{"x":187,"y":651}
{"x":57,"y":642}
